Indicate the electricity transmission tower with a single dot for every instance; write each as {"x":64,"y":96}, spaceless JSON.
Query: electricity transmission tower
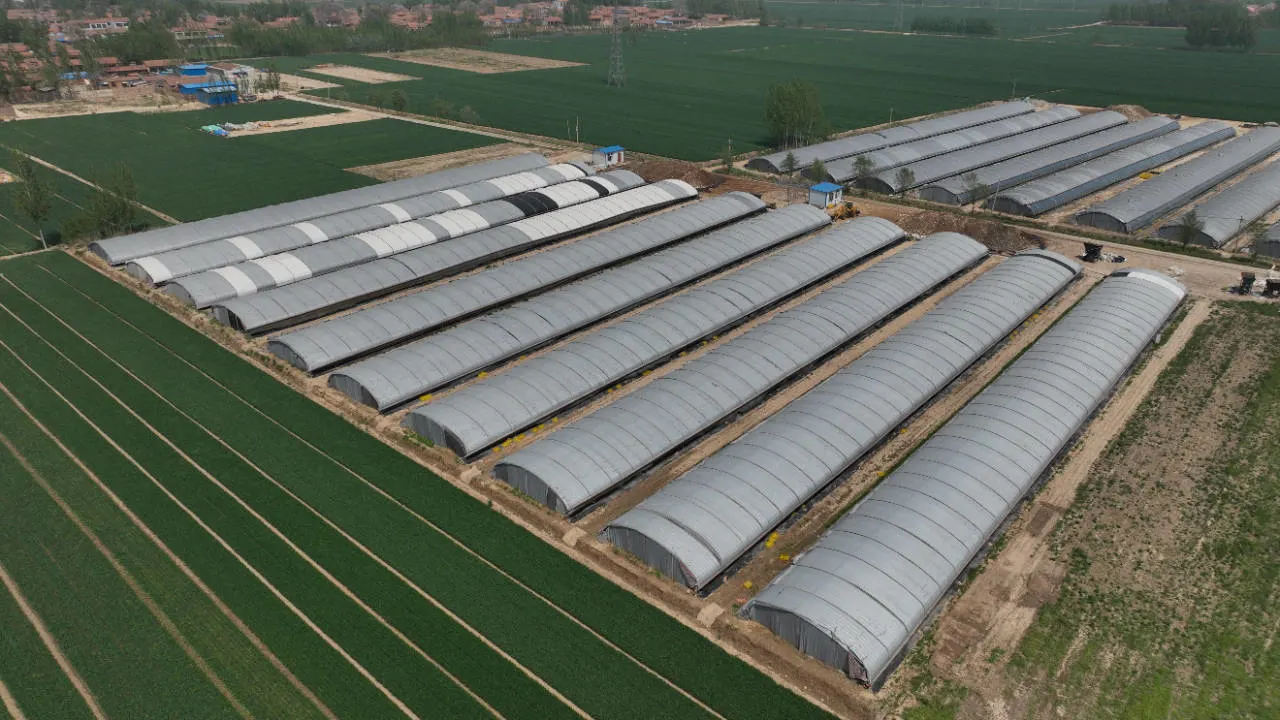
{"x":617,"y":69}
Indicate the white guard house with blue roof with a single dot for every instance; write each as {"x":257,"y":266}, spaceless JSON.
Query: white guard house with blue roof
{"x":825,"y":195}
{"x":607,"y":156}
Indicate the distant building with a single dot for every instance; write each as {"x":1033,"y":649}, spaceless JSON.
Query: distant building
{"x":825,"y":195}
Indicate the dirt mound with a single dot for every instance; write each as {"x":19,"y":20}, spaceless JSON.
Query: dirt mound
{"x":1132,"y":112}
{"x":654,"y":170}
{"x":999,"y":237}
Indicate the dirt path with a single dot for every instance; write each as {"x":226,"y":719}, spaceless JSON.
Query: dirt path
{"x":10,"y":703}
{"x":359,"y":74}
{"x":1001,"y":603}
{"x":415,"y":166}
{"x":79,"y":179}
{"x":797,"y":538}
{"x":51,"y":643}
{"x":484,"y":62}
{"x":147,"y":601}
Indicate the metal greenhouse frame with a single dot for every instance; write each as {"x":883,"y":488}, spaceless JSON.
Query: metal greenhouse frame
{"x":962,"y":161}
{"x":398,"y":376}
{"x":253,"y":276}
{"x":1228,"y":213}
{"x":168,"y":266}
{"x":1143,"y":204}
{"x":846,"y":169}
{"x":117,"y":251}
{"x":482,"y":414}
{"x":857,"y":597}
{"x":367,"y":330}
{"x":955,"y":190}
{"x":694,"y":528}
{"x":1066,"y":186}
{"x":581,"y":461}
{"x":319,"y":296}
{"x":866,"y":142}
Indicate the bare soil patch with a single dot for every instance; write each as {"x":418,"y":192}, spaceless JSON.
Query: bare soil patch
{"x":477,"y":61}
{"x":298,"y":83}
{"x":364,"y":75}
{"x":305,"y":123}
{"x":83,"y":101}
{"x":413,"y":167}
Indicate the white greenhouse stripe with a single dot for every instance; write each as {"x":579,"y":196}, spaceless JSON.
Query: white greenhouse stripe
{"x":397,"y":212}
{"x":239,"y":281}
{"x":246,"y":246}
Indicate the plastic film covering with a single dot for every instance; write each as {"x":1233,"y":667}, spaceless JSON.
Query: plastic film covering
{"x":370,"y":329}
{"x":867,"y":142}
{"x":482,"y":414}
{"x":1143,"y":204}
{"x":272,"y":271}
{"x":859,"y":595}
{"x":168,"y":266}
{"x":962,"y":161}
{"x":123,"y":249}
{"x":694,"y":528}
{"x":573,"y":466}
{"x":1228,"y":213}
{"x":319,"y":296}
{"x":958,"y":190}
{"x":846,"y":169}
{"x":407,"y":372}
{"x":1066,"y":186}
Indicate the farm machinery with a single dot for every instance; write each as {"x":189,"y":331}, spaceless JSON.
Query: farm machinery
{"x":1249,"y":285}
{"x":843,"y":211}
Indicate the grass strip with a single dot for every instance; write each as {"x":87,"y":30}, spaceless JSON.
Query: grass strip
{"x":316,"y":663}
{"x":487,"y":673}
{"x":249,"y":675}
{"x":133,"y":667}
{"x":726,"y":684}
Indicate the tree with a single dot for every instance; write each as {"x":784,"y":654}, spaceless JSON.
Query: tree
{"x":793,"y":112}
{"x":111,"y":209}
{"x":904,"y":178}
{"x":377,"y":99}
{"x":789,"y":163}
{"x":817,"y":170}
{"x":974,"y":187}
{"x":398,"y":101}
{"x":33,"y":197}
{"x":1189,"y":228}
{"x":863,"y":168}
{"x":469,"y":116}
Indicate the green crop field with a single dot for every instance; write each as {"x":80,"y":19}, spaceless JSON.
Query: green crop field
{"x":1013,"y":21}
{"x":190,"y":175}
{"x":233,"y":548}
{"x":366,"y":143}
{"x":689,"y":94}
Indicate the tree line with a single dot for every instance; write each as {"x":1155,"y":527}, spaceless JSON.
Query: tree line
{"x":110,"y":209}
{"x":377,"y":35}
{"x":1208,"y":24}
{"x":946,"y":25}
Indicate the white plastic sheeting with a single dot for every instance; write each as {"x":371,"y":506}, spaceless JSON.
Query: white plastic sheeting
{"x":959,"y":190}
{"x":962,"y":161}
{"x":573,"y":466}
{"x":319,"y":296}
{"x":123,"y":249}
{"x":1066,"y":186}
{"x":368,"y":330}
{"x":1226,"y":214}
{"x":694,"y":528}
{"x":272,"y":271}
{"x":482,"y":414}
{"x":868,"y":141}
{"x":407,"y":372}
{"x":1143,"y":204}
{"x":167,"y":266}
{"x":859,"y":595}
{"x":846,"y":169}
